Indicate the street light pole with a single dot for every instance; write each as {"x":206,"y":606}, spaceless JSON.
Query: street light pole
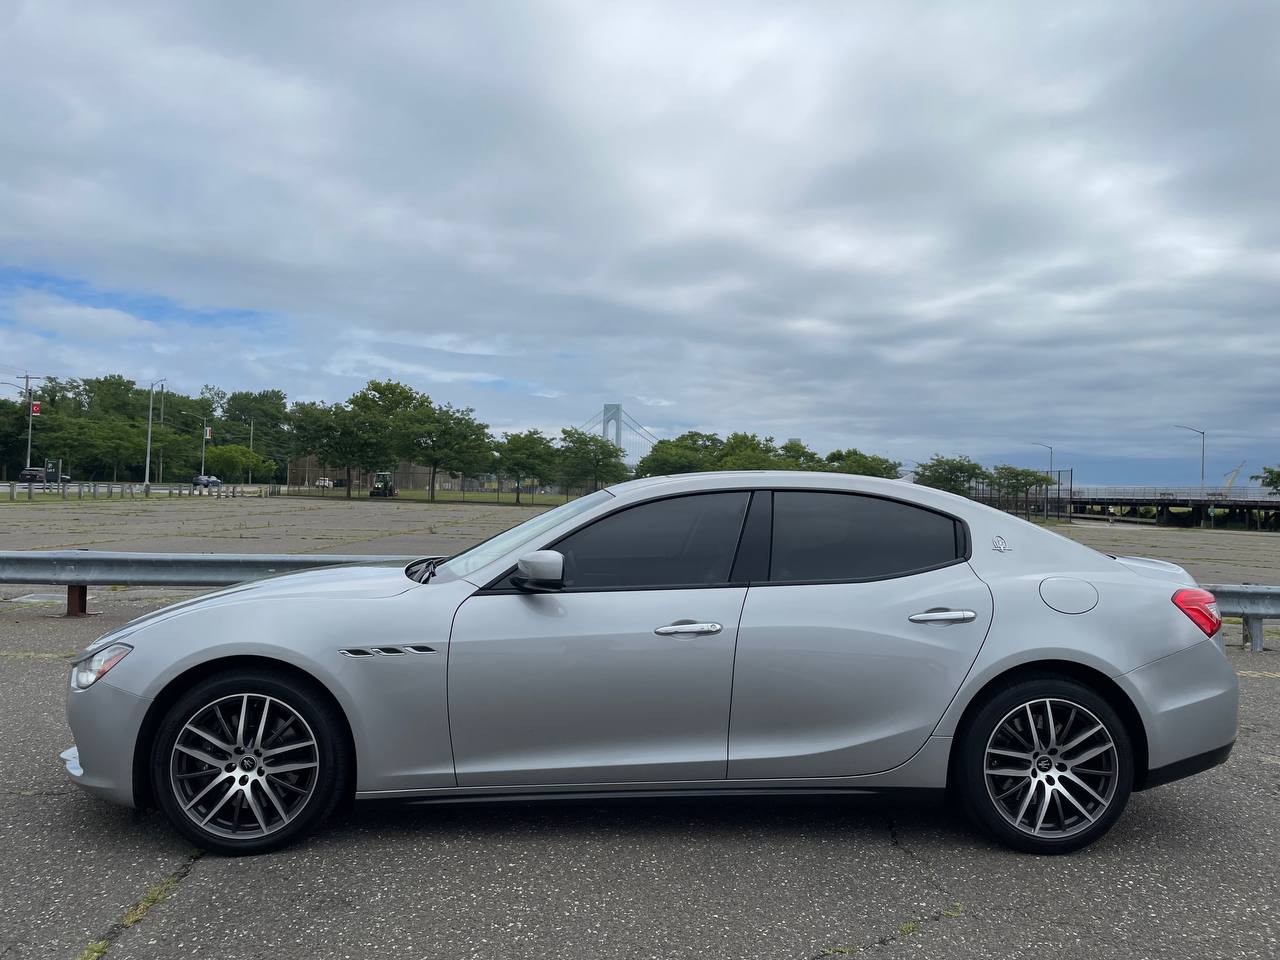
{"x":1182,"y":426}
{"x":1048,"y":447}
{"x":1203,"y":505}
{"x":151,"y":402}
{"x":204,"y":435}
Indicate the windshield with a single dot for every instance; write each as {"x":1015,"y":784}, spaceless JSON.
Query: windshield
{"x":485,"y":553}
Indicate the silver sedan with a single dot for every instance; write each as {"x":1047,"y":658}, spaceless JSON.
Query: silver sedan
{"x":711,"y":633}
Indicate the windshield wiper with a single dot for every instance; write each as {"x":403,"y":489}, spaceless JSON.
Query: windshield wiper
{"x":428,"y":569}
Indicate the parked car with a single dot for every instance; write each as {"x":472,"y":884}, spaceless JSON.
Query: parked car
{"x":864,"y":634}
{"x":39,"y":475}
{"x":205,"y":481}
{"x":324,"y":482}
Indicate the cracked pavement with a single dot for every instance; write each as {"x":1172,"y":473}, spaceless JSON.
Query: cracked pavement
{"x":1189,"y":871}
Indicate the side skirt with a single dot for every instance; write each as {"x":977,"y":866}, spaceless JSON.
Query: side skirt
{"x":925,"y":771}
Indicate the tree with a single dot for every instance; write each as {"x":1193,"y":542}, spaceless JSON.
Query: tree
{"x":230,"y":462}
{"x":212,"y":400}
{"x":688,"y":453}
{"x":1012,"y":481}
{"x":588,"y":459}
{"x":445,"y":438}
{"x":953,"y":474}
{"x":1270,"y":478}
{"x":526,"y":456}
{"x":259,"y":417}
{"x":309,"y":425}
{"x":866,"y":464}
{"x":746,"y":451}
{"x":350,"y":441}
{"x":794,"y":455}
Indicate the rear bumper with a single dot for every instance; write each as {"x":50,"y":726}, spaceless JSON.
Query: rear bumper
{"x":1185,"y":768}
{"x":1189,"y":705}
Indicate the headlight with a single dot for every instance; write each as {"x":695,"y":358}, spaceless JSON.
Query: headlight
{"x":84,"y":673}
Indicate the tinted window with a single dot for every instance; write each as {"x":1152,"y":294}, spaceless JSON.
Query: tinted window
{"x":684,"y":541}
{"x":840,"y":536}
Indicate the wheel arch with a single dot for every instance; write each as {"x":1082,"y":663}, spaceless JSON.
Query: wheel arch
{"x":1096,"y":680}
{"x":169,"y":694}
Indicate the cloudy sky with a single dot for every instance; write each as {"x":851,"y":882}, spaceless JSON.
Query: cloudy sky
{"x":952,"y":228}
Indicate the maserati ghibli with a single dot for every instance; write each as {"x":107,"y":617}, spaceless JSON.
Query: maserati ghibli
{"x":744,"y":632}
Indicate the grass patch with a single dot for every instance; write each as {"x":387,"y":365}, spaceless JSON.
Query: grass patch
{"x":94,"y":950}
{"x":157,"y":894}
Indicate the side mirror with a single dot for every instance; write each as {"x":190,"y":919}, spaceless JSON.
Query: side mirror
{"x":541,"y":571}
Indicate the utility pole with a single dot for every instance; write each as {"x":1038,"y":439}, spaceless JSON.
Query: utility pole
{"x":151,"y":402}
{"x":251,"y":449}
{"x":26,"y":378}
{"x":161,"y":464}
{"x":204,"y":436}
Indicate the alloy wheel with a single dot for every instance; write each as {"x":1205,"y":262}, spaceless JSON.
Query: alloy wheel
{"x":1051,"y":768}
{"x":244,"y":766}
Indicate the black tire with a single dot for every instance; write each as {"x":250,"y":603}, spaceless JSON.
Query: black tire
{"x":1055,"y":779}
{"x":305,"y":731}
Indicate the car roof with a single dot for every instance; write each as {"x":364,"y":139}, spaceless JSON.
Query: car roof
{"x":784,"y":479}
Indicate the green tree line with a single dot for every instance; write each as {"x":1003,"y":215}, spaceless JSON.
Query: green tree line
{"x":97,"y":427}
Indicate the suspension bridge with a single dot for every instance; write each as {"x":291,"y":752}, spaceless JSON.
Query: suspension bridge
{"x":614,"y":423}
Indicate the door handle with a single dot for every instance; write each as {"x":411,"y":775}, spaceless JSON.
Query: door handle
{"x":944,"y":616}
{"x":683,"y":627}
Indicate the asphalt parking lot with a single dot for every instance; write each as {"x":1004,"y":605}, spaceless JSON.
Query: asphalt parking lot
{"x":1190,"y":870}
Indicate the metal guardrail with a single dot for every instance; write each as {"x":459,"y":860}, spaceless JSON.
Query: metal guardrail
{"x":1252,"y":603}
{"x":77,"y":570}
{"x":79,"y":490}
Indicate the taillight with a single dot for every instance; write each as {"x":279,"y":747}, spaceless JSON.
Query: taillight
{"x":1202,"y":607}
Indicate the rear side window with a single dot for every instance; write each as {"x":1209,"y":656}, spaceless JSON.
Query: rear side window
{"x":680,"y":542}
{"x":840,"y":536}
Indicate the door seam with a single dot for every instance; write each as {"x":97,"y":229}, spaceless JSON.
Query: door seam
{"x":733,"y":668}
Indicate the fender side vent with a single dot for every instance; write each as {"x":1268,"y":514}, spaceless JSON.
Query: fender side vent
{"x":388,"y":651}
{"x":420,"y":648}
{"x":355,"y":653}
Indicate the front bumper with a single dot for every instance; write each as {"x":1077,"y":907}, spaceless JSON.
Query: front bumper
{"x":104,"y":721}
{"x":1189,"y":704}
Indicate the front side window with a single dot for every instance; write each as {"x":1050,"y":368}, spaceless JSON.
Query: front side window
{"x":520,"y":536}
{"x":678,"y":542}
{"x":841,"y":536}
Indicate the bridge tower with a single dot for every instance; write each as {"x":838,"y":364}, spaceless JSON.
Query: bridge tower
{"x":612,"y":415}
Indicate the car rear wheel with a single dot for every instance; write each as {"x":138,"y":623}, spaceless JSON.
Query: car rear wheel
{"x":1045,"y":766}
{"x":248,"y":761}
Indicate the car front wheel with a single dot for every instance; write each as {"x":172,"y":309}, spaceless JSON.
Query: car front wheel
{"x":248,"y":761}
{"x":1045,"y":766}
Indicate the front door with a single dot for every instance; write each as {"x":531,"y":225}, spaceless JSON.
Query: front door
{"x":599,"y":683}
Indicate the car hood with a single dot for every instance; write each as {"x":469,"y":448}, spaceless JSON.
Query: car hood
{"x":351,"y":581}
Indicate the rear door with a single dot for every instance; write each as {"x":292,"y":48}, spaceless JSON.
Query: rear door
{"x":849,"y":653}
{"x":598,"y":682}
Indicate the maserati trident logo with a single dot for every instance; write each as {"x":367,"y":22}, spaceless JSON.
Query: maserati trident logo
{"x":999,"y":545}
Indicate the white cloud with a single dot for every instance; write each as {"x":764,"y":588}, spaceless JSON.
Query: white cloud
{"x":50,"y":314}
{"x":904,"y":227}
